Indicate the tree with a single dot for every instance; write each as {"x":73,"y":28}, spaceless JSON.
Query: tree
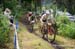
{"x":68,"y":4}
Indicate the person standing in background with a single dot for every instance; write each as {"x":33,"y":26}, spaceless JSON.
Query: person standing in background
{"x":7,"y":13}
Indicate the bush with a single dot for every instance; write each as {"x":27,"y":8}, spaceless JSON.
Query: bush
{"x":11,"y":4}
{"x":18,"y":12}
{"x":66,"y":28}
{"x":4,"y":29}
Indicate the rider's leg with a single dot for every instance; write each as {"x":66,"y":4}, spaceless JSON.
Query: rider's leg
{"x":46,"y":34}
{"x":43,"y":35}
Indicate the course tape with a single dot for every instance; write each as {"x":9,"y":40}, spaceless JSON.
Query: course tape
{"x":16,"y":44}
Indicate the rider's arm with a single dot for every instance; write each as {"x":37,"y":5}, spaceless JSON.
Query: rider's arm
{"x":42,"y":17}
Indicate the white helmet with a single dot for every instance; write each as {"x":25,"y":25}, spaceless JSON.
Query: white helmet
{"x":8,"y":11}
{"x":47,"y":12}
{"x":30,"y":12}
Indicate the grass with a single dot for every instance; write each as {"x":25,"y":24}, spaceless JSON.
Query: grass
{"x":69,"y":43}
{"x":30,"y":41}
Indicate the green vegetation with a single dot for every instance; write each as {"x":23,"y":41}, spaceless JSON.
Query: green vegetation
{"x":65,"y":27}
{"x":68,"y":4}
{"x":4,"y":29}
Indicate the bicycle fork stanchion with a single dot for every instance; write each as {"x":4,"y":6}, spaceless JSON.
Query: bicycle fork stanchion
{"x":16,"y":45}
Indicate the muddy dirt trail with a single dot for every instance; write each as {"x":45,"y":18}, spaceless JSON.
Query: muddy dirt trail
{"x":54,"y":44}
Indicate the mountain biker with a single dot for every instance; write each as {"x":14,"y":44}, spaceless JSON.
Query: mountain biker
{"x":29,"y":14}
{"x":32,"y":18}
{"x":7,"y":12}
{"x":44,"y":19}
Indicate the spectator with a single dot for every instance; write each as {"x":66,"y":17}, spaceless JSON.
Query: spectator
{"x":7,"y":12}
